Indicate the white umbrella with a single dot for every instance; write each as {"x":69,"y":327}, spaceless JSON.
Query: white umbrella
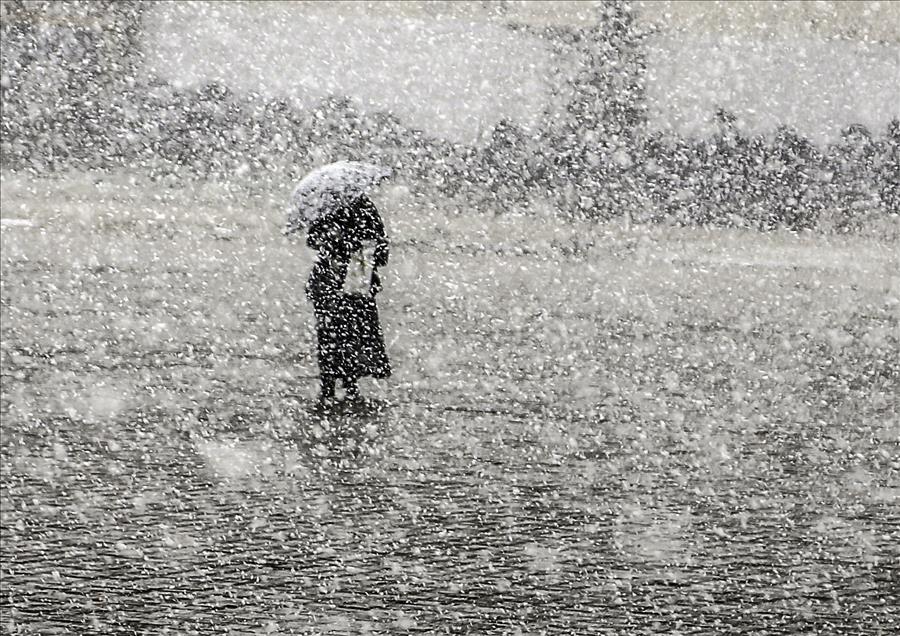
{"x":326,"y":189}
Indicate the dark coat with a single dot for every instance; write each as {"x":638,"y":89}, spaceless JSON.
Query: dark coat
{"x":350,"y":342}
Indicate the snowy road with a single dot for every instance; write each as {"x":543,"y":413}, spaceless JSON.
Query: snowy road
{"x":578,"y":439}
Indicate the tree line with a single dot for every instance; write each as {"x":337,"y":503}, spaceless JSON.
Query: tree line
{"x":73,"y":97}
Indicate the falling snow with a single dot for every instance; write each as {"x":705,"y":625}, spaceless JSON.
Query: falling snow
{"x":643,"y":309}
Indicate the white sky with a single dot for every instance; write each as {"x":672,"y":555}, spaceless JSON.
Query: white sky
{"x":456,"y":78}
{"x":444,"y":76}
{"x":819,"y":87}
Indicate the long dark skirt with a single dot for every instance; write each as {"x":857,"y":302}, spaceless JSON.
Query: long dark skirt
{"x":350,"y":340}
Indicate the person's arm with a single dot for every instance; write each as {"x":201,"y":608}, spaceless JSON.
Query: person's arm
{"x":382,"y":251}
{"x":372,"y":229}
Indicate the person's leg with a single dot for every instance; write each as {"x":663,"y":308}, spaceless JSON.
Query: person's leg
{"x":327,"y":388}
{"x":351,"y":389}
{"x":325,"y":349}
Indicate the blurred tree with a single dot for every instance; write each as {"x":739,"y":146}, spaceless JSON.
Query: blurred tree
{"x":851,"y":163}
{"x":68,"y":67}
{"x":504,"y":166}
{"x":789,"y":177}
{"x":888,"y":168}
{"x":596,"y":108}
{"x":729,"y":168}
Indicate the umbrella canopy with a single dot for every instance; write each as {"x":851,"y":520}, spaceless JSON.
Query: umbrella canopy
{"x":326,"y":189}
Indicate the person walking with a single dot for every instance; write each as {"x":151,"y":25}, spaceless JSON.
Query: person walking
{"x":351,"y":245}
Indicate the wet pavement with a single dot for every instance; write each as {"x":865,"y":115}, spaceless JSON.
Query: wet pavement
{"x":396,"y":518}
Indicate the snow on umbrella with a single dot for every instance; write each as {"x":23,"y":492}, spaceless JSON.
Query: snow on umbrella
{"x":326,"y":189}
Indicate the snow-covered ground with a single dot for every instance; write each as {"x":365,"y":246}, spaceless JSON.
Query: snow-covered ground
{"x":478,"y":310}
